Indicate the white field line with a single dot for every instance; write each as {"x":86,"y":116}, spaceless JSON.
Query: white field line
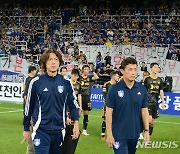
{"x":11,"y":111}
{"x":164,"y":122}
{"x":8,"y":108}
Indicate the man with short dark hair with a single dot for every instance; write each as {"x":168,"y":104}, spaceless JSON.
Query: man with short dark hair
{"x":86,"y":84}
{"x":125,"y":101}
{"x":107,"y":59}
{"x":63,"y":71}
{"x":154,"y":85}
{"x":143,"y":66}
{"x":114,"y":78}
{"x":30,"y":146}
{"x":31,"y":74}
{"x":69,"y":145}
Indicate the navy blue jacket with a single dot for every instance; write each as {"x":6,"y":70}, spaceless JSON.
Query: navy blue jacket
{"x":46,"y":102}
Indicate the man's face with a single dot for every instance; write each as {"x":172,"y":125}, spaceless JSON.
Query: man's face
{"x":155,"y":69}
{"x":86,"y":70}
{"x":52,"y":63}
{"x":74,"y":77}
{"x":116,"y":77}
{"x":64,"y":72}
{"x":104,"y":68}
{"x":143,"y":64}
{"x":33,"y":72}
{"x":145,"y":74}
{"x":130,"y":72}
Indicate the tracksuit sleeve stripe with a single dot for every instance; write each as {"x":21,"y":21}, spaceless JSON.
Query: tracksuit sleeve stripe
{"x":29,"y":96}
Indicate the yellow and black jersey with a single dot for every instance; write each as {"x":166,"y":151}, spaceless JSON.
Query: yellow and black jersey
{"x":86,"y":84}
{"x":106,"y":88}
{"x":153,"y":85}
{"x":77,"y":88}
{"x":120,"y":78}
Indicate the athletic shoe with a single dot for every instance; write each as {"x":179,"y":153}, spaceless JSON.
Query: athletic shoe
{"x":85,"y":133}
{"x":103,"y":138}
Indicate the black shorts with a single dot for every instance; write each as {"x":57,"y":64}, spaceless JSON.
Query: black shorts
{"x":69,"y":145}
{"x":153,"y":110}
{"x":86,"y":104}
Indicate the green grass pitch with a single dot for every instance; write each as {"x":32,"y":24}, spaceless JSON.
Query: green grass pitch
{"x":167,"y":128}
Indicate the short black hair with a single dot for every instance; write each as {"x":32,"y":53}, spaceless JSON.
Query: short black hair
{"x":127,"y":61}
{"x":84,"y":66}
{"x":75,"y":71}
{"x":146,"y":72}
{"x":64,"y":67}
{"x":113,"y":73}
{"x":152,"y":64}
{"x":31,"y":68}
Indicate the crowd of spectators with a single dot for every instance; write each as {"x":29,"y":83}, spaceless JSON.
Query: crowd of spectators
{"x":28,"y":32}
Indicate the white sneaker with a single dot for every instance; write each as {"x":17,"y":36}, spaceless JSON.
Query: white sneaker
{"x":141,"y":137}
{"x":85,"y":133}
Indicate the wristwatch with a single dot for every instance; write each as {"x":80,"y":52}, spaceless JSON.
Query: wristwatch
{"x":146,"y":130}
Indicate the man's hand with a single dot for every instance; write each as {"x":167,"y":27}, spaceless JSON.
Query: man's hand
{"x":68,"y":121}
{"x":110,"y":141}
{"x":80,"y":111}
{"x":146,"y":136}
{"x":75,"y":130}
{"x":163,"y":106}
{"x":26,"y":136}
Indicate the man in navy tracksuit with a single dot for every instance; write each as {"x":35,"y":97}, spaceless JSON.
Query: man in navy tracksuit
{"x":47,"y":98}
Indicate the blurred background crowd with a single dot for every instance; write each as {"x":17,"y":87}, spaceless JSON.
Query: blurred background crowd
{"x":28,"y":30}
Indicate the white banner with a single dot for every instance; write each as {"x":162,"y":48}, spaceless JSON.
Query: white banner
{"x":10,"y":91}
{"x":123,"y":50}
{"x":14,"y":64}
{"x":148,"y":55}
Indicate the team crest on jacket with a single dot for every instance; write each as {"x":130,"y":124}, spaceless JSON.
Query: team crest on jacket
{"x":121,"y":93}
{"x":116,"y":145}
{"x":60,"y":89}
{"x":36,"y":142}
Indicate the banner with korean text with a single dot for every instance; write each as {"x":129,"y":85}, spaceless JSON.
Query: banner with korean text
{"x":172,"y":101}
{"x":172,"y":104}
{"x":11,"y":92}
{"x":147,"y":55}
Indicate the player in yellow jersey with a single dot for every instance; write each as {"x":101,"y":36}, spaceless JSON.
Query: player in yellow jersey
{"x":154,"y":85}
{"x":86,"y":84}
{"x":114,"y":78}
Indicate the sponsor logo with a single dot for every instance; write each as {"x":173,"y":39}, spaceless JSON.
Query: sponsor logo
{"x":45,"y":89}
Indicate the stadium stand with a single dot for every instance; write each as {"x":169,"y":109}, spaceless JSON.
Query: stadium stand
{"x":28,"y":32}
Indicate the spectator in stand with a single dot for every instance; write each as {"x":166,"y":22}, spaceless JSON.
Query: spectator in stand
{"x":92,"y":69}
{"x":143,"y":66}
{"x":104,"y":71}
{"x":174,"y":57}
{"x":107,"y":59}
{"x":83,"y":57}
{"x":108,"y":42}
{"x":99,"y":60}
{"x":63,"y":71}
